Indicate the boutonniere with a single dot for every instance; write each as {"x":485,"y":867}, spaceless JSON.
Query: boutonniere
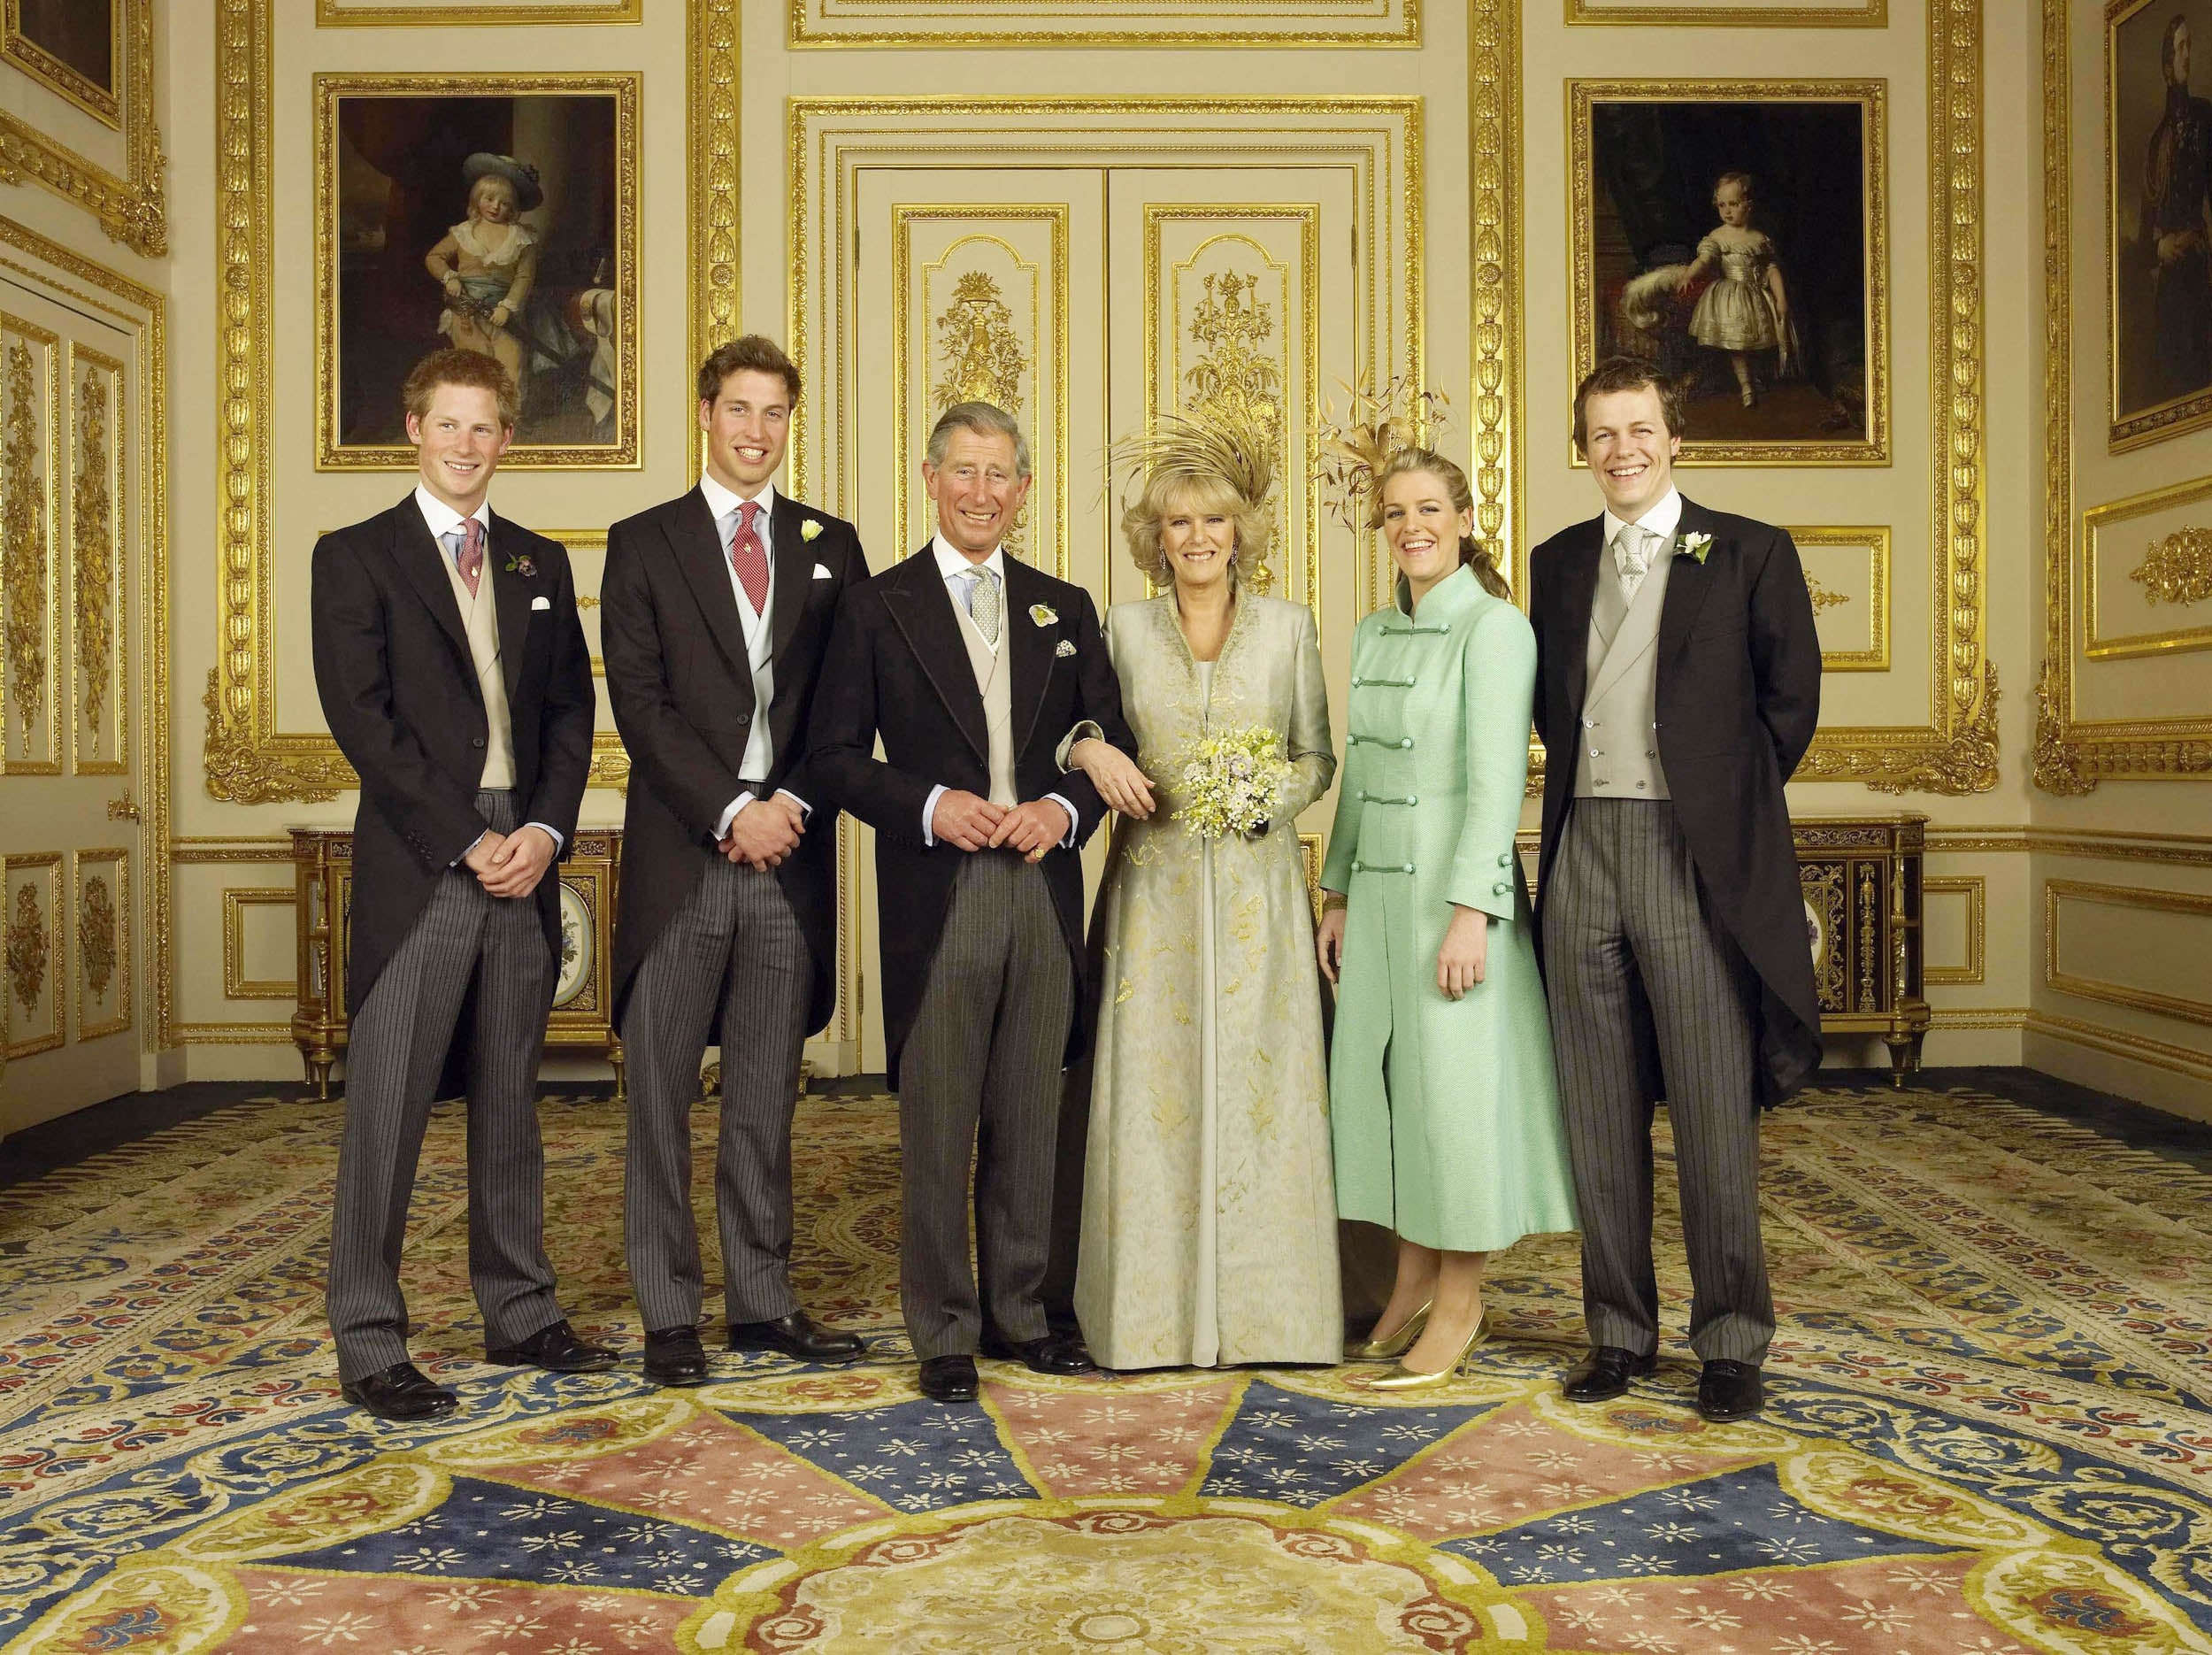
{"x":1693,"y":546}
{"x":1067,"y":648}
{"x":1041,"y":614}
{"x":523,"y":567}
{"x":809,"y":529}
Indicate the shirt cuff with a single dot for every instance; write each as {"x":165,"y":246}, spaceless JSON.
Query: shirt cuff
{"x":472,"y":845}
{"x":806,"y":811}
{"x":554,"y":834}
{"x":1067,"y":839}
{"x":929,"y":813}
{"x":729,"y":814}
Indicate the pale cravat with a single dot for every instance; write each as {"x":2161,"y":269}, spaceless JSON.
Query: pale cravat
{"x":466,"y":551}
{"x":1632,"y":550}
{"x":983,"y":604}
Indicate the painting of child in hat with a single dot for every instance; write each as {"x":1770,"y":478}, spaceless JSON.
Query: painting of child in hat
{"x":499,"y":222}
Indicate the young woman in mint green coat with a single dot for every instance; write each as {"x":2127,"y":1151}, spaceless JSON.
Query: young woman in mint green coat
{"x":1441,"y":1094}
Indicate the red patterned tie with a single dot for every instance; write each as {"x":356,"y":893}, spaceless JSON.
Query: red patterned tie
{"x":469,"y":558}
{"x":749,"y":558}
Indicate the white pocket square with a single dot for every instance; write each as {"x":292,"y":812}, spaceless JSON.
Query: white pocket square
{"x":541,"y":603}
{"x":820,"y":573}
{"x":1067,"y":647}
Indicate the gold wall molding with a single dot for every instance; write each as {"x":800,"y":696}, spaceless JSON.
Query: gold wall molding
{"x":2121,"y":1043}
{"x":236,"y":984}
{"x":1874,"y":540}
{"x":1123,"y":24}
{"x":1998,"y":1017}
{"x":2073,"y":755}
{"x":2111,"y":844}
{"x":711,"y":128}
{"x":133,"y":207}
{"x":96,"y":588}
{"x":102,"y":102}
{"x":491,"y":13}
{"x":220,"y":848}
{"x":1974,"y":889}
{"x":2143,"y":899}
{"x":102,"y":935}
{"x":138,"y":311}
{"x":29,"y":532}
{"x":1494,"y":181}
{"x":1872,"y":14}
{"x":2174,"y":568}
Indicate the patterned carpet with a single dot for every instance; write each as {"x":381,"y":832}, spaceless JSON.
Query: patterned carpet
{"x":1988,"y":1432}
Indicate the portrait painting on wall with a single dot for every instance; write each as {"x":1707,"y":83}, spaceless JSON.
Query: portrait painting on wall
{"x":2158,"y":133}
{"x":496,"y":214}
{"x":1734,"y":239}
{"x":74,"y":46}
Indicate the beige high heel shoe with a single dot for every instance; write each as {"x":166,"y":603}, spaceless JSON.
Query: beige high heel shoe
{"x":1397,"y":1344}
{"x":1404,"y":1378}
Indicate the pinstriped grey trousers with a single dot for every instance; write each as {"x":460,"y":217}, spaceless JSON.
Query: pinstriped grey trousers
{"x":735,"y":944}
{"x":394,"y":1052}
{"x":980,"y":1074}
{"x":1636,"y":965}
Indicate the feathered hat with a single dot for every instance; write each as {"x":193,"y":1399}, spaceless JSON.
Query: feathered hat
{"x":1231,"y":443}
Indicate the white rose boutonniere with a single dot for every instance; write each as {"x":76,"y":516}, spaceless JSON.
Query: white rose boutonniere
{"x":1043,"y":615}
{"x":810,"y":529}
{"x":1693,"y":547}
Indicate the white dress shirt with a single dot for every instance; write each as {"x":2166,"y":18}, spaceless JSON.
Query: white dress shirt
{"x":1662,"y":520}
{"x":442,"y":520}
{"x":758,"y":628}
{"x":955,"y":566}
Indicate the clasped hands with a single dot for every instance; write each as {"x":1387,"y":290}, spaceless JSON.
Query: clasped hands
{"x":512,"y":865}
{"x":764,"y":832}
{"x":968,"y":821}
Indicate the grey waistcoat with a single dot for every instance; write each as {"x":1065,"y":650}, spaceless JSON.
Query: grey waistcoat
{"x":1618,"y":746}
{"x":998,"y":697}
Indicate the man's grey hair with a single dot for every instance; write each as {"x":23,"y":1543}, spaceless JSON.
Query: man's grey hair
{"x":984,"y":419}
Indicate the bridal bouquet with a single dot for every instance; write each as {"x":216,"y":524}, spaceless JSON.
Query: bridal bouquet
{"x":1230,"y":781}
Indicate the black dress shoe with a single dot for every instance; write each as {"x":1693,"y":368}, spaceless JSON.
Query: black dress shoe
{"x":796,"y":1335}
{"x":1729,"y":1390}
{"x":402,"y":1392}
{"x":557,"y":1349}
{"x":674,"y":1356}
{"x":949,"y":1378}
{"x":1604,"y":1373}
{"x":1061,"y":1353}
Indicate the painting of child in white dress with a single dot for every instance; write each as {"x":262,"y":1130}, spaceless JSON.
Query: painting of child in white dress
{"x":1729,"y":245}
{"x":504,"y":224}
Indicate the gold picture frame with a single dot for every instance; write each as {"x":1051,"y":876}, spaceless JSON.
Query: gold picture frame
{"x":2073,"y":755}
{"x":131,"y":204}
{"x":344,"y":297}
{"x":1876,"y":539}
{"x":1815,"y":396}
{"x":2146,"y":408}
{"x":2179,"y":565}
{"x":22,"y":50}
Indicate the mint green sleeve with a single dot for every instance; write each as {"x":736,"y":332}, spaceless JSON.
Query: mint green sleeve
{"x":1499,"y":673}
{"x":1336,"y":866}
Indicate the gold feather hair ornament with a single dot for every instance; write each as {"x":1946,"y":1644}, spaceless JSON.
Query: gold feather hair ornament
{"x":1350,"y":452}
{"x":1233,"y":444}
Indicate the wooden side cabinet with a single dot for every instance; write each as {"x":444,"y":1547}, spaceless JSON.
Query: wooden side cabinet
{"x":1861,"y":880}
{"x":583,"y":995}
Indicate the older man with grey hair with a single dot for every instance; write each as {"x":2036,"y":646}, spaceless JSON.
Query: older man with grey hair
{"x":970,"y":665}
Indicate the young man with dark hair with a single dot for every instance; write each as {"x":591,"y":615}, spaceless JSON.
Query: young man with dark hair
{"x":454,"y":674}
{"x":717,"y":606}
{"x":1677,"y":686}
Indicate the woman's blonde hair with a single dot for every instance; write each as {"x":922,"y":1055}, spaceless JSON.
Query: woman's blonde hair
{"x":1472,"y":553}
{"x":1170,"y":488}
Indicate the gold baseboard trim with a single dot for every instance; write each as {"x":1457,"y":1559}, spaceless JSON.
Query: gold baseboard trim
{"x":2158,"y":1054}
{"x":1978,"y":1017}
{"x":230,"y":1034}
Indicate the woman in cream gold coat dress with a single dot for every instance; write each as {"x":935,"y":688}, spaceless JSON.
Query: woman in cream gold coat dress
{"x":1209,"y":1220}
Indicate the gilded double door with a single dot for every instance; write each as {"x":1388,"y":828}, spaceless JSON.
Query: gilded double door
{"x":1087,"y":300}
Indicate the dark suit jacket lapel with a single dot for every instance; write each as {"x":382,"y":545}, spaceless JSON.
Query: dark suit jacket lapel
{"x":422,"y":560}
{"x":697,"y":543}
{"x":511,"y":601}
{"x":1577,"y":591}
{"x":917,"y":602}
{"x":1688,"y":583}
{"x":1030,"y":661}
{"x":793,"y":571}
